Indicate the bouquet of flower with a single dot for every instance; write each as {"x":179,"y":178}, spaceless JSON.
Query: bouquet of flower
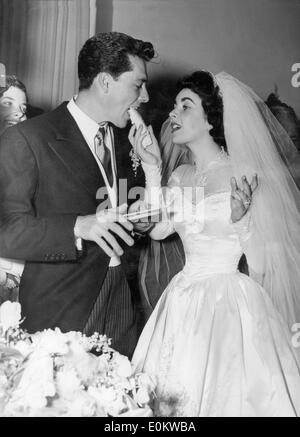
{"x":51,"y":373}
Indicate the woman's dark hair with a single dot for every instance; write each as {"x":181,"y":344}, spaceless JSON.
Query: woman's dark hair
{"x":12,"y":81}
{"x":108,"y":52}
{"x":203,"y":83}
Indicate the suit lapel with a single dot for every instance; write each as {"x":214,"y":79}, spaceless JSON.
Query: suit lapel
{"x":121,"y":146}
{"x":122,"y":149}
{"x":71,"y":148}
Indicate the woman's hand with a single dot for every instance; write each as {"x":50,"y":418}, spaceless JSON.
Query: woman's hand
{"x":9,"y":118}
{"x":140,"y":226}
{"x":241,"y":197}
{"x":150,"y":154}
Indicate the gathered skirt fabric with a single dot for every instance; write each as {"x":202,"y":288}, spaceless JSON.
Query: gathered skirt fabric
{"x":216,"y":346}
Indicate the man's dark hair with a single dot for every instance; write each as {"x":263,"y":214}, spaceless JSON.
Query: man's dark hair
{"x":108,"y":52}
{"x":202,"y":83}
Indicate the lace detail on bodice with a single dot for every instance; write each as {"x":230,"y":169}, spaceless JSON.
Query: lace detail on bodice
{"x":196,"y":205}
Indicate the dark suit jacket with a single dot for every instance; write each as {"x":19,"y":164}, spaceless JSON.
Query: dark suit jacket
{"x":48,"y":176}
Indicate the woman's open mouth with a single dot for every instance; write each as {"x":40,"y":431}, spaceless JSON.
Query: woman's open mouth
{"x":175,"y":127}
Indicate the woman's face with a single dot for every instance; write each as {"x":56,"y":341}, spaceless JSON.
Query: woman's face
{"x":13,"y":105}
{"x":188,"y":119}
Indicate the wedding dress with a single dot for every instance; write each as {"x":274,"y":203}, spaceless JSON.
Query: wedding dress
{"x":215,"y":343}
{"x":220,"y":343}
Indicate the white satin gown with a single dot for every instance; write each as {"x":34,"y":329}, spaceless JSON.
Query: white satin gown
{"x":215,"y":344}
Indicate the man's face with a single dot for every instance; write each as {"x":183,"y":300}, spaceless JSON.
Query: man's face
{"x":128,"y":90}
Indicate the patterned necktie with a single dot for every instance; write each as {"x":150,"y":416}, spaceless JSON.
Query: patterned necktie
{"x":103,"y":153}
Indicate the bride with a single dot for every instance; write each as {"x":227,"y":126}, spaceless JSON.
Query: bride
{"x":219,"y":343}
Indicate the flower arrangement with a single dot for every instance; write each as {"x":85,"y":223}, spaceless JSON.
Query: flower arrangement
{"x":51,"y":373}
{"x":135,"y":161}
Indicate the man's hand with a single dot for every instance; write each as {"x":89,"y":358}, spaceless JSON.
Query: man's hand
{"x":241,"y":197}
{"x":97,"y":227}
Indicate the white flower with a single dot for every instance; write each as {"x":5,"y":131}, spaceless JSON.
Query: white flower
{"x":60,"y":377}
{"x":142,"y":396}
{"x":101,"y":399}
{"x":109,"y":400}
{"x":77,"y":341}
{"x":125,"y":384}
{"x":83,"y":405}
{"x":106,"y":394}
{"x":102,"y":362}
{"x":85,"y":363}
{"x":50,"y":342}
{"x":24,"y":347}
{"x":36,"y":383}
{"x":123,"y":366}
{"x":144,"y":380}
{"x":137,"y":412}
{"x":117,"y":407}
{"x":67,"y":383}
{"x":3,"y":381}
{"x":132,"y":383}
{"x":10,"y":315}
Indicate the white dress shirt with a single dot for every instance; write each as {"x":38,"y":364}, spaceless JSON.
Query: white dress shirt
{"x":89,"y":129}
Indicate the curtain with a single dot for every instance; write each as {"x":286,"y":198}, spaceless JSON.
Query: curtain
{"x":40,"y":41}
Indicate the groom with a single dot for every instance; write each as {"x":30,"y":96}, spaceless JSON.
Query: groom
{"x":52,"y":166}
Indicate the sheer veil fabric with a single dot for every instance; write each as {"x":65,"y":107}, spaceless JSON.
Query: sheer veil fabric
{"x":257,"y":143}
{"x":161,"y":260}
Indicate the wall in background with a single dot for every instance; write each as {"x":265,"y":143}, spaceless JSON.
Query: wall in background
{"x":255,"y":40}
{"x":40,"y":41}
